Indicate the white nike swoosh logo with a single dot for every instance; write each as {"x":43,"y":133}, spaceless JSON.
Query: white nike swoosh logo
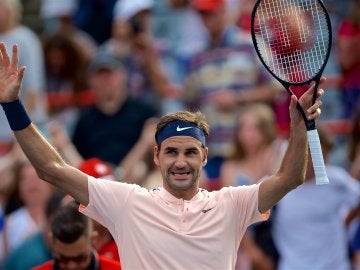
{"x":181,"y":129}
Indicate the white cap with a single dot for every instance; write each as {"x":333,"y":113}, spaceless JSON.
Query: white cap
{"x":125,"y":9}
{"x":58,"y":8}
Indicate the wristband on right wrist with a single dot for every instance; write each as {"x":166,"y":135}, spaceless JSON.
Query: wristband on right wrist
{"x":16,"y":115}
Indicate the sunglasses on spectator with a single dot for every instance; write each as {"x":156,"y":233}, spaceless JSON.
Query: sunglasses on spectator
{"x":61,"y":259}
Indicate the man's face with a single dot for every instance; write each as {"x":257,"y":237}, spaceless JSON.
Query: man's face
{"x":73,"y":256}
{"x":214,"y":21}
{"x":181,"y":159}
{"x":107,"y":82}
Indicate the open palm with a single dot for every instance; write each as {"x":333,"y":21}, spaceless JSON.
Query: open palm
{"x":10,"y":75}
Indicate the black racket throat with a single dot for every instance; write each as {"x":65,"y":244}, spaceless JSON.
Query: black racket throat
{"x":310,"y":124}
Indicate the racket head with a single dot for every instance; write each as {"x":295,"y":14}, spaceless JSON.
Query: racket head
{"x":294,"y":42}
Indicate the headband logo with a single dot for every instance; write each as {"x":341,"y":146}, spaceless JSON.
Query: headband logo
{"x":181,"y":129}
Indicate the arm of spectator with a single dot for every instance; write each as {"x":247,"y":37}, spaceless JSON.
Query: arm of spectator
{"x":355,"y":165}
{"x":158,"y":78}
{"x":139,"y":150}
{"x":257,"y":256}
{"x":61,"y":141}
{"x":228,"y":99}
{"x":9,"y":160}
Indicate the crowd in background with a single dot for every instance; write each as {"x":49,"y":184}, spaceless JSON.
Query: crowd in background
{"x":99,"y":74}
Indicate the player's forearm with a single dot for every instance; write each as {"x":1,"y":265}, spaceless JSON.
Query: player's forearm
{"x":293,"y":167}
{"x":291,"y":173}
{"x":50,"y":166}
{"x":41,"y":154}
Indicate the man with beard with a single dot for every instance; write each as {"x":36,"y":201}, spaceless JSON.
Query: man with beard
{"x":177,"y":226}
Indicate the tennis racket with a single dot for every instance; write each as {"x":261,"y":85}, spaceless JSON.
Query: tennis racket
{"x":293,"y":40}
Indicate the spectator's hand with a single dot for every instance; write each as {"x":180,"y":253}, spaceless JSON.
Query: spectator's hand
{"x":17,"y":153}
{"x":59,"y":137}
{"x":10,"y":75}
{"x":144,"y":43}
{"x":147,"y":137}
{"x":224,"y":99}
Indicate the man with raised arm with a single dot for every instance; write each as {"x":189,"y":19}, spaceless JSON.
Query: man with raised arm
{"x":179,"y":225}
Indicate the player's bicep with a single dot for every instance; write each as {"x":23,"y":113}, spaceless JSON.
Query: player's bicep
{"x":75,"y":183}
{"x":271,"y":191}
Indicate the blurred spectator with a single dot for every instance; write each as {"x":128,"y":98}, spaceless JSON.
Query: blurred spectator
{"x":143,"y":57}
{"x":71,"y":235}
{"x":243,"y":16}
{"x":354,"y":146}
{"x":31,"y":16}
{"x":31,"y":55}
{"x":353,"y":220}
{"x":59,"y":15}
{"x":95,"y":17}
{"x":29,"y":218}
{"x":134,"y":167}
{"x":309,"y":223}
{"x":8,"y":164}
{"x":66,"y":86}
{"x":178,"y":27}
{"x":226,"y":74}
{"x":348,"y":52}
{"x":102,"y":240}
{"x":257,"y":153}
{"x":35,"y":250}
{"x":110,"y":128}
{"x":257,"y":150}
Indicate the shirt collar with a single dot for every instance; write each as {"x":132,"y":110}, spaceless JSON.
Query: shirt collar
{"x":168,"y":197}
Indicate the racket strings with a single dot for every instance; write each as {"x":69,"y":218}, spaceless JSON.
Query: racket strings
{"x":292,"y":37}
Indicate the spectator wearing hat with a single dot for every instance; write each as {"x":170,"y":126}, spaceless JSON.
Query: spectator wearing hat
{"x":59,"y":18}
{"x":143,"y":56}
{"x":95,"y":17}
{"x":110,"y":128}
{"x":102,"y":241}
{"x":136,"y":167}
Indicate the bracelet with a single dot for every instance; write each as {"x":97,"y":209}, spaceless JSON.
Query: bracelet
{"x":16,"y":115}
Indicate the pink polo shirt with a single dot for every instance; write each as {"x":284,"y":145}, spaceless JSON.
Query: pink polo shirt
{"x":155,"y":230}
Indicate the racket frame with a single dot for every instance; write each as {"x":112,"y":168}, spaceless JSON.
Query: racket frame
{"x":313,"y":136}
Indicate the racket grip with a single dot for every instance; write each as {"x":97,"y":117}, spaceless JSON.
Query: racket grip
{"x":317,"y":157}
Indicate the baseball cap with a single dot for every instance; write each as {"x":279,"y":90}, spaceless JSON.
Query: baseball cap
{"x":103,"y":60}
{"x":125,"y":9}
{"x":97,"y":168}
{"x":207,"y":5}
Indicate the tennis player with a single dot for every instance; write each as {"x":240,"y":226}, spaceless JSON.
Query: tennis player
{"x":179,"y":225}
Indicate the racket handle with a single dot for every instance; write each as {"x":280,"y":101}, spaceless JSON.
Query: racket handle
{"x":317,"y":157}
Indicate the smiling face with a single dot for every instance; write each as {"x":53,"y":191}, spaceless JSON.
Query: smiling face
{"x":181,"y":159}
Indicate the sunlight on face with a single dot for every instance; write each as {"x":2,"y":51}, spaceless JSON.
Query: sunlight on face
{"x":181,"y":159}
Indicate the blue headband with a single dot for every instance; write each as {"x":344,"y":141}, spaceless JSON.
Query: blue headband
{"x":180,"y":128}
